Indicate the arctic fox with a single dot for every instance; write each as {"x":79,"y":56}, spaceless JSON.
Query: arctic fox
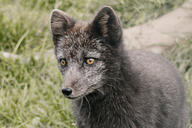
{"x":110,"y":86}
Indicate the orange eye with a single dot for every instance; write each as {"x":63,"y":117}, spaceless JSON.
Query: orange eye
{"x":63,"y":62}
{"x":90,"y":61}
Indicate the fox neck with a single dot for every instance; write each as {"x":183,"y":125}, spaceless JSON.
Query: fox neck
{"x":115,"y":104}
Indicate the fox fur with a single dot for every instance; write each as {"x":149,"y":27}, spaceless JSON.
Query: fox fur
{"x":122,"y":88}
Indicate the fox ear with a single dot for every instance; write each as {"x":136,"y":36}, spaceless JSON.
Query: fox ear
{"x":60,"y":22}
{"x":107,"y":25}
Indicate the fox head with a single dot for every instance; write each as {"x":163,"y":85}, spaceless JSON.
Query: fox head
{"x":87,"y":53}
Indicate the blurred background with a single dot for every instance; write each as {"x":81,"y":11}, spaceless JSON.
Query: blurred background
{"x":30,"y":94}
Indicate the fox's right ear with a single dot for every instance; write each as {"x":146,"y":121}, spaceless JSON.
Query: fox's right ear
{"x":60,"y":22}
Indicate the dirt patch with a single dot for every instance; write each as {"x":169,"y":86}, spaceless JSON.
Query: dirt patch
{"x":165,"y":31}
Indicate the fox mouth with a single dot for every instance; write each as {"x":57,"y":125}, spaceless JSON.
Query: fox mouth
{"x":77,"y":97}
{"x":72,"y":98}
{"x":86,"y":92}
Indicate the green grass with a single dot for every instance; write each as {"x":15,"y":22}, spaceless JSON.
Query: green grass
{"x":25,"y":23}
{"x":30,"y":94}
{"x":181,"y":57}
{"x":27,"y":29}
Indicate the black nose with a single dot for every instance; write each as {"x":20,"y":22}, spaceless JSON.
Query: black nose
{"x":66,"y":91}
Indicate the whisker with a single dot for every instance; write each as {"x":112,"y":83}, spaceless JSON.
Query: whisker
{"x":89,"y":106}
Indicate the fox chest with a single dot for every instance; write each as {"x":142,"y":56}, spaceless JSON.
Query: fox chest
{"x":99,"y":119}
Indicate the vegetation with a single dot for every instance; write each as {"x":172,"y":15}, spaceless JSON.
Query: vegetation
{"x":25,"y":23}
{"x":30,"y":94}
{"x":181,"y":57}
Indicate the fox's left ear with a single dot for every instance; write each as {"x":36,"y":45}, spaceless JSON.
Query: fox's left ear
{"x":107,"y":25}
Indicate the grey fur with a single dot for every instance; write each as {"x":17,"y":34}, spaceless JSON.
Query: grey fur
{"x":122,"y":89}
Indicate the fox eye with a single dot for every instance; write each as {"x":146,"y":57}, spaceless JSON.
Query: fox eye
{"x":63,"y":62}
{"x":90,"y":61}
